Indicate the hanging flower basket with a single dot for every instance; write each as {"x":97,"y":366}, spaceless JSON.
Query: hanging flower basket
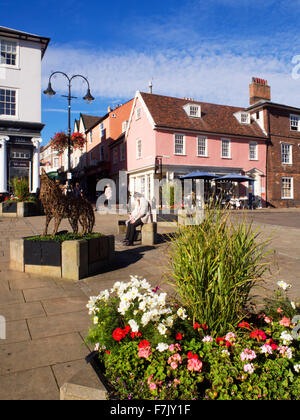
{"x":60,"y":141}
{"x":78,"y":141}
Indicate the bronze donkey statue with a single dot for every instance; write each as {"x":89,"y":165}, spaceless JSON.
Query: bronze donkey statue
{"x":58,"y":206}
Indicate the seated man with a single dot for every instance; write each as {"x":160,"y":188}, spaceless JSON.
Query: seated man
{"x":140,"y":215}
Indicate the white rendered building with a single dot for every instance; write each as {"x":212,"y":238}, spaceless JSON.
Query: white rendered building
{"x":20,"y":106}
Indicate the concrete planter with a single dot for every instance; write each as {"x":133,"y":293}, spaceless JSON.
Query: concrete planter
{"x":71,"y":260}
{"x":19,"y":209}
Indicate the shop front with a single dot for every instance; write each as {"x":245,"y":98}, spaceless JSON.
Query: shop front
{"x":19,"y":157}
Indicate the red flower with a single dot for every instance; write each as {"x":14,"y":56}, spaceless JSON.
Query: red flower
{"x":221,"y":341}
{"x":118,"y":334}
{"x":190,"y":355}
{"x":205,"y":327}
{"x":107,"y":352}
{"x":196,"y":325}
{"x":144,"y":344}
{"x":259,"y":335}
{"x":135,"y":334}
{"x":6,"y":198}
{"x":179,"y":336}
{"x":126,"y":330}
{"x":244,"y":324}
{"x":272,"y":343}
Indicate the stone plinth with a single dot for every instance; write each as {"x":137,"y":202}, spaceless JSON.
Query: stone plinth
{"x":149,"y":233}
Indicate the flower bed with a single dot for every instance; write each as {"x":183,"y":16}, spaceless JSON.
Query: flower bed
{"x":152,"y":348}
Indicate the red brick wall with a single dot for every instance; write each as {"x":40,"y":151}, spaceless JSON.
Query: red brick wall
{"x":280,"y":133}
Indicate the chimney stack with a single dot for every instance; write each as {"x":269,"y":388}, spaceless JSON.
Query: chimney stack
{"x":109,"y":109}
{"x":259,"y":90}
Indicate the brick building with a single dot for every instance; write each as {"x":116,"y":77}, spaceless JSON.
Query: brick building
{"x":281,"y":123}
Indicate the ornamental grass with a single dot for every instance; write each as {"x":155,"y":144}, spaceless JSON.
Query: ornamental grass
{"x":214,"y":266}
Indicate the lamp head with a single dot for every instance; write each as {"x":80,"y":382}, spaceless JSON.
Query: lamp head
{"x":49,"y":91}
{"x":88,"y":97}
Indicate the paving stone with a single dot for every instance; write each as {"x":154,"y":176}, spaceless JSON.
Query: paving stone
{"x":22,"y":311}
{"x":27,"y":282}
{"x":44,"y":293}
{"x":16,"y":331}
{"x":11,"y":297}
{"x":65,"y":305}
{"x":65,"y":371}
{"x":58,"y":324}
{"x":43,"y":352}
{"x":36,"y":384}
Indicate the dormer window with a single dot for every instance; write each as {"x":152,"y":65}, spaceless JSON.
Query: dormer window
{"x":242,"y":117}
{"x":193,"y":110}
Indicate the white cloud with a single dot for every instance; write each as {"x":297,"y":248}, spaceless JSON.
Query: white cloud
{"x":212,"y":74}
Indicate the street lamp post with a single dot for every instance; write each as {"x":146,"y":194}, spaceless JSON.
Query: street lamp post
{"x":88,"y":98}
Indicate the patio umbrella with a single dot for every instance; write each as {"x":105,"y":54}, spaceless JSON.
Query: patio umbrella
{"x":199,"y":175}
{"x":234,"y":178}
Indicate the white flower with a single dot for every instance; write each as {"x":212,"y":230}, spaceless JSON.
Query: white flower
{"x":283,"y":285}
{"x":146,"y":318}
{"x":297,"y":368}
{"x":135,"y":281}
{"x":170,"y":321}
{"x":225,"y":353}
{"x":162,"y":329}
{"x":142,"y":306}
{"x":133,"y":293}
{"x":293,"y":304}
{"x":207,"y":339}
{"x":104,"y":295}
{"x":286,"y":337}
{"x":133,"y":325}
{"x":96,"y":319}
{"x":145,"y":285}
{"x":162,"y":347}
{"x":181,"y":313}
{"x":162,"y":299}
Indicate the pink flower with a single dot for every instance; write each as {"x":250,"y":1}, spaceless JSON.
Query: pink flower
{"x":171,"y":347}
{"x":279,"y":310}
{"x":174,"y":365}
{"x":249,"y":368}
{"x":247,"y":355}
{"x":144,"y":352}
{"x":267,"y":320}
{"x":285,"y":321}
{"x":194,"y":365}
{"x":152,"y":386}
{"x":176,"y":382}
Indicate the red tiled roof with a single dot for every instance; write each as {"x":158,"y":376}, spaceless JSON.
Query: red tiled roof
{"x":90,"y":120}
{"x":168,"y":112}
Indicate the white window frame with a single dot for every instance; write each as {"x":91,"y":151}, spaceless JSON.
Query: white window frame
{"x":195,"y":111}
{"x":12,"y":41}
{"x":294,"y":122}
{"x":138,"y":148}
{"x":202,"y":138}
{"x":138,"y":113}
{"x":16,"y":115}
{"x":283,"y":153}
{"x":176,"y":135}
{"x":229,"y":148}
{"x":291,"y":189}
{"x":124,"y":126}
{"x":102,"y":130}
{"x":91,"y":137}
{"x":252,"y":143}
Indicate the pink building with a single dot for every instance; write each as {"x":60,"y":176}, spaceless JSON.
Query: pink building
{"x":186,"y":135}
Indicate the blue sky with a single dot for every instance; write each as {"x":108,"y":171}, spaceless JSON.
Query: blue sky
{"x":208,"y":50}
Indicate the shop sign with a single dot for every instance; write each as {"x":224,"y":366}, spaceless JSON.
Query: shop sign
{"x":19,"y":164}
